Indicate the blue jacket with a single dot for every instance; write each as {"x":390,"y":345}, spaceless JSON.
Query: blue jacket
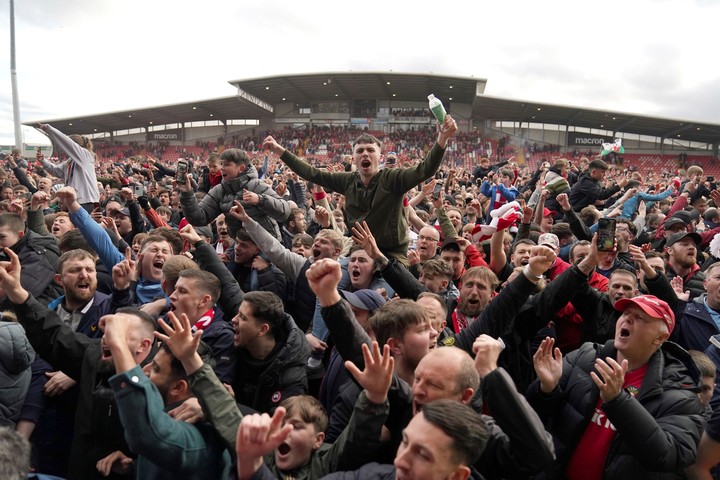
{"x":166,"y":448}
{"x":490,"y":191}
{"x":102,"y":305}
{"x":694,"y":325}
{"x":631,"y":205}
{"x":98,"y":239}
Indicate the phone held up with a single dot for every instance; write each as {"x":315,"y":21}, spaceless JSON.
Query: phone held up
{"x":606,"y":235}
{"x":437,"y":190}
{"x":181,"y":171}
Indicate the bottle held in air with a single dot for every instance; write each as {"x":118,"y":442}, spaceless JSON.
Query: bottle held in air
{"x":437,"y":108}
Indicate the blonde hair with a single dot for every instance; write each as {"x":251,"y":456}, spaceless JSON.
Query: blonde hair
{"x":694,"y":170}
{"x":83,"y":141}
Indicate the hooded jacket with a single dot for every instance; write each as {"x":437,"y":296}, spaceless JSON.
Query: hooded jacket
{"x":16,"y":358}
{"x":271,"y":209}
{"x":280,"y":375}
{"x":658,"y":430}
{"x":39,"y":259}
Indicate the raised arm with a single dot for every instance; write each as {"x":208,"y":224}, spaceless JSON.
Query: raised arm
{"x":334,"y":181}
{"x":94,"y":234}
{"x":67,"y":145}
{"x":231,"y":295}
{"x":290,"y":263}
{"x":51,"y":339}
{"x":498,"y":259}
{"x":324,"y":276}
{"x":217,"y":404}
{"x":35,"y":216}
{"x":398,"y":277}
{"x":577,"y":226}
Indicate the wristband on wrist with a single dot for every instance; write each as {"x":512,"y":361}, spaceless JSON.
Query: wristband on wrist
{"x":530,"y":276}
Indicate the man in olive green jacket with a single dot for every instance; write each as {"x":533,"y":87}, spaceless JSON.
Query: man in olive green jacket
{"x":373,"y":195}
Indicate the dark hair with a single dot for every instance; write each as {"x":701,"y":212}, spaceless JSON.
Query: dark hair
{"x":562,"y":230}
{"x":267,"y":308}
{"x":367,"y":138}
{"x":450,"y":246}
{"x":354,"y":248}
{"x":654,"y":218}
{"x":467,"y":429}
{"x":244,"y":236}
{"x":294,"y":212}
{"x":235,"y":155}
{"x":522,"y":241}
{"x":597,"y":163}
{"x":302,"y":238}
{"x":74,"y":240}
{"x":630,"y":225}
{"x":710,"y":213}
{"x":176,"y":366}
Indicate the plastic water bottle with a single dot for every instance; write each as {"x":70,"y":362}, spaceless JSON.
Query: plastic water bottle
{"x":436,"y":107}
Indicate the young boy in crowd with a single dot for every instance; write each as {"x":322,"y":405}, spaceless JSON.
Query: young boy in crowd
{"x":38,"y":256}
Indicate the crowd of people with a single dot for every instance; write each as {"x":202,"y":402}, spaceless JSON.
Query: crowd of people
{"x":382,"y":316}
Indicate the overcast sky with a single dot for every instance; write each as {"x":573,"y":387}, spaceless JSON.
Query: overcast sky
{"x":77,"y":57}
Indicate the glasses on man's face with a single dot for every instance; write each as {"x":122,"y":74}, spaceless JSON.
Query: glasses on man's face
{"x":423,"y":238}
{"x":622,"y":229}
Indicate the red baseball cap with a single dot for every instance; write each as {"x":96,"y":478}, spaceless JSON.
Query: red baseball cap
{"x":651,"y":305}
{"x":548,"y":213}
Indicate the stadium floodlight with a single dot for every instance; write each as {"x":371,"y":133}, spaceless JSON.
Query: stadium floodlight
{"x":13,"y":80}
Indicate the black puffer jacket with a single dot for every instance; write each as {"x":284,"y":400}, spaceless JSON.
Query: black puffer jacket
{"x":587,"y":190}
{"x":262,"y":385}
{"x":39,"y":259}
{"x":271,"y":210}
{"x":658,"y":430}
{"x":16,"y":358}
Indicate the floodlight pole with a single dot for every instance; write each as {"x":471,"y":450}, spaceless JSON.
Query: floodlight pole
{"x":13,"y":78}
